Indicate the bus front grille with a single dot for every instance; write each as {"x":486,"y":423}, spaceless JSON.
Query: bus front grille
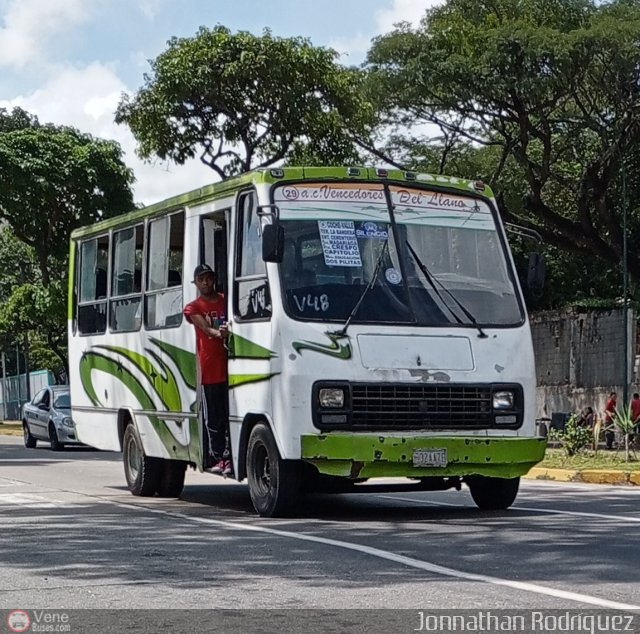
{"x":401,"y":406}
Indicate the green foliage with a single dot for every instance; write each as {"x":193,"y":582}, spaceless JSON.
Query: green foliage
{"x":53,"y":179}
{"x":573,"y":438}
{"x":552,"y":88}
{"x":241,"y":101}
{"x":624,"y":422}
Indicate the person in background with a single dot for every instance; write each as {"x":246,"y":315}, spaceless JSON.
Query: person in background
{"x":207,"y":314}
{"x":635,"y":413}
{"x":586,"y":418}
{"x":609,"y":420}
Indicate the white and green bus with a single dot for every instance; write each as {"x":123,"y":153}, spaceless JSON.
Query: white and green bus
{"x":378,"y":330}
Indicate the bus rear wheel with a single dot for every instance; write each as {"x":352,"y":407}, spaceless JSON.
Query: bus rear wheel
{"x":142,"y":472}
{"x":493,"y":494}
{"x":171,"y":480}
{"x":274,"y":483}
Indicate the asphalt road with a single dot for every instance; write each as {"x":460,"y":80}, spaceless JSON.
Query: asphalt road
{"x":72,"y":536}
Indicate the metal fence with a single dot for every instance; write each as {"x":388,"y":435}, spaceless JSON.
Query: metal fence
{"x":13,"y":391}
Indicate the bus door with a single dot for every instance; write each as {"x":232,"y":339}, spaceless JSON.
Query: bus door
{"x":214,"y":252}
{"x":250,"y":357}
{"x":163,"y":319}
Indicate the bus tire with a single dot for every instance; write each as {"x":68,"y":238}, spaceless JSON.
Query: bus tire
{"x":171,"y":480}
{"x":274,"y":484}
{"x":30,"y":441}
{"x":493,"y":494}
{"x":142,"y":472}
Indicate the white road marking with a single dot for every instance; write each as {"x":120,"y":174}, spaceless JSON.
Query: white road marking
{"x":28,"y":500}
{"x":623,"y":518}
{"x":390,"y":556}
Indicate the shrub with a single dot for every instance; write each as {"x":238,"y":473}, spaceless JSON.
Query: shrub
{"x":573,"y":438}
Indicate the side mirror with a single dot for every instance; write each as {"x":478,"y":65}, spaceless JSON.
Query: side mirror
{"x":43,"y":407}
{"x":536,"y":272}
{"x":273,"y":242}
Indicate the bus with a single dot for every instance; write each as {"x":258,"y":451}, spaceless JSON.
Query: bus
{"x":378,"y":330}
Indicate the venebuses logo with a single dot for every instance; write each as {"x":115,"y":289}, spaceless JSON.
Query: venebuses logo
{"x":18,"y":621}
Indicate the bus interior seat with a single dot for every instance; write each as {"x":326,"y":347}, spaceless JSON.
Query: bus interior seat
{"x":101,"y":283}
{"x":174,"y":278}
{"x":306,"y":277}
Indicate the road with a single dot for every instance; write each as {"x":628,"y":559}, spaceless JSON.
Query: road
{"x":72,"y":536}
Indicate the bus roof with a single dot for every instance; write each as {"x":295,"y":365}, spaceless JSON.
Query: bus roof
{"x":275,"y":175}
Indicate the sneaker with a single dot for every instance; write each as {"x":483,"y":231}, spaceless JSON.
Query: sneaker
{"x":218,"y":467}
{"x":228,"y":468}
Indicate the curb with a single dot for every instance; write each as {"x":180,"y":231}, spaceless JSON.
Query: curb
{"x":590,"y":476}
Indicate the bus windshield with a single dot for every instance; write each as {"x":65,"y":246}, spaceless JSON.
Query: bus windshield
{"x":441,"y":264}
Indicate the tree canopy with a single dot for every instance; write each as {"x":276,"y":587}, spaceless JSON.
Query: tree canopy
{"x":554,"y":84}
{"x":241,"y":101}
{"x":52,"y":180}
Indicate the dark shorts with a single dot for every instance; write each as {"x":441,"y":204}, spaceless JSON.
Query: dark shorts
{"x":215,"y":415}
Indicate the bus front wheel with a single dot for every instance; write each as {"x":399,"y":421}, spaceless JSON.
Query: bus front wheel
{"x":274,"y":484}
{"x":142,"y":472}
{"x":493,"y":494}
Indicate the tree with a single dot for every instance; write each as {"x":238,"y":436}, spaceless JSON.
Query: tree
{"x":241,"y":101}
{"x":553,"y":84}
{"x":52,"y":180}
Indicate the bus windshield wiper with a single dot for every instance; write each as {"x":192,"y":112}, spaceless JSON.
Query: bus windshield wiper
{"x":343,"y":331}
{"x":432,"y":282}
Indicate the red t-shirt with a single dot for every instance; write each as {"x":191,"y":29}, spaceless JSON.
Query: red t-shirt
{"x":610,"y":410}
{"x":211,"y":351}
{"x":635,"y":408}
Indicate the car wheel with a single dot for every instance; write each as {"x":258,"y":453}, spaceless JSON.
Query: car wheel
{"x":56,"y":445}
{"x":274,"y":484}
{"x":29,"y":441}
{"x":142,"y":472}
{"x":493,"y":494}
{"x":171,"y":480}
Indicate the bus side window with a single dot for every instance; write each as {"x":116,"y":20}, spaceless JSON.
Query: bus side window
{"x":92,"y":286}
{"x":252,"y":296}
{"x":163,"y":292}
{"x":125,"y":310}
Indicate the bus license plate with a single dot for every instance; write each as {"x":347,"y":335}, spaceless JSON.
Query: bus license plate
{"x":430,"y":458}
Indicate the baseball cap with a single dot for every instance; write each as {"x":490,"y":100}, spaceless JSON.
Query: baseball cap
{"x":201,"y":269}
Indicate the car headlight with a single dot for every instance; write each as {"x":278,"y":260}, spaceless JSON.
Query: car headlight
{"x":331,"y":397}
{"x":67,"y":422}
{"x":504,"y":399}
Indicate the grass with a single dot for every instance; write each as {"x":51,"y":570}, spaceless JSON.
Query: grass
{"x":10,"y":428}
{"x":557,"y":459}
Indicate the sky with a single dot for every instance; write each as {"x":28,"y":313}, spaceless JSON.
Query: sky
{"x":69,"y":61}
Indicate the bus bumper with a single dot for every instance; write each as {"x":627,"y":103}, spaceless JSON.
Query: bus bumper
{"x":358,"y":456}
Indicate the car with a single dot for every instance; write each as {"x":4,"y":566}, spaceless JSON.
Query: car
{"x":48,"y":417}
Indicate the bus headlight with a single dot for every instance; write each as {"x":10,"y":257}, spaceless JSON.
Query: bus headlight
{"x":504,"y":399}
{"x":331,"y":397}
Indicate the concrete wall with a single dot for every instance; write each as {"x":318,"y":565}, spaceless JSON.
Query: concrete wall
{"x":580,"y":359}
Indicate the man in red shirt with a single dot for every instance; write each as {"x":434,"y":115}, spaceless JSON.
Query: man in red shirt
{"x":609,"y":419}
{"x":207,"y":314}
{"x":635,"y":412}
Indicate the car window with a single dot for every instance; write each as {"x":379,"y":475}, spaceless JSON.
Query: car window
{"x":46,"y":398}
{"x":62,"y":400}
{"x":37,"y":399}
